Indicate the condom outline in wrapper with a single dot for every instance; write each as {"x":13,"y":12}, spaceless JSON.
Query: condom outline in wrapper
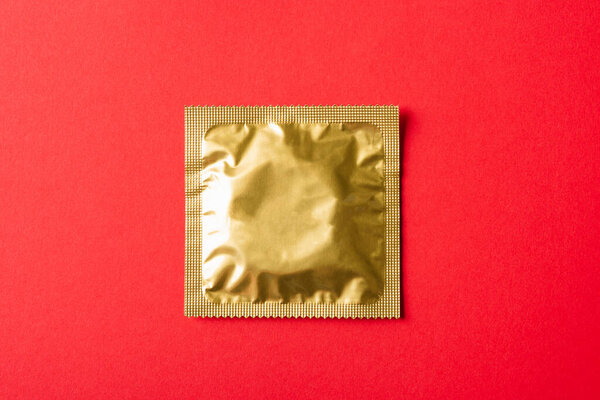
{"x":292,"y":211}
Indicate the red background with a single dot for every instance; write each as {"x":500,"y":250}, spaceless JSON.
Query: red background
{"x":501,"y":197}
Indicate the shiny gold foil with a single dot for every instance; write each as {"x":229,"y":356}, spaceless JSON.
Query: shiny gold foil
{"x":292,"y":211}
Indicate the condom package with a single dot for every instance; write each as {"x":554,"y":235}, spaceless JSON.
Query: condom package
{"x":292,"y":211}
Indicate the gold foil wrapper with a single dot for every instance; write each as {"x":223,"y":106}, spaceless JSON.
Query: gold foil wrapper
{"x":292,"y":211}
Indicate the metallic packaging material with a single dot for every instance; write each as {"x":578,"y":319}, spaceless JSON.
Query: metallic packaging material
{"x":292,"y":211}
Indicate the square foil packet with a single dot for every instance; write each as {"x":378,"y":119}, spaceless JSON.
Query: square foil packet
{"x":292,"y":211}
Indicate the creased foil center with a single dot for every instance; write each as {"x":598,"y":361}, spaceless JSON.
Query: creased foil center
{"x":293,"y":213}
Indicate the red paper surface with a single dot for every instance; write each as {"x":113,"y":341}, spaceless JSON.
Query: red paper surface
{"x":501,"y":197}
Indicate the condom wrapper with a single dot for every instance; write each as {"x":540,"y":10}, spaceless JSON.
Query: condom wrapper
{"x":292,"y":211}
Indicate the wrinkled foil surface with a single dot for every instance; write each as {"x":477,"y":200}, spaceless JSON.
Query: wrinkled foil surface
{"x":293,"y":213}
